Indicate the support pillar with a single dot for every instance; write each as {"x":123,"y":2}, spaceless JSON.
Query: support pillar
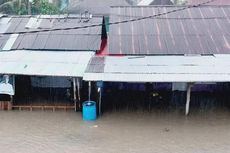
{"x":188,"y":98}
{"x":78,"y":93}
{"x":74,"y":94}
{"x":89,"y":96}
{"x":10,"y":103}
{"x":99,"y":89}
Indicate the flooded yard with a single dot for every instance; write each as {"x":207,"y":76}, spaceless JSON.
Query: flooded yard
{"x":114,"y":132}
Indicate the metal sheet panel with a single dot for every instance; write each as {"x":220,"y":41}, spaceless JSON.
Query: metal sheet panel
{"x":53,"y":41}
{"x":14,"y":22}
{"x":219,"y":2}
{"x":33,"y":23}
{"x":46,"y":23}
{"x":27,"y":41}
{"x":44,"y":63}
{"x":4,"y":24}
{"x":198,"y":30}
{"x":3,"y":40}
{"x":40,"y":41}
{"x":161,"y":69}
{"x":98,"y":7}
{"x":157,"y":77}
{"x":10,"y":42}
{"x":87,"y":39}
{"x":21,"y":25}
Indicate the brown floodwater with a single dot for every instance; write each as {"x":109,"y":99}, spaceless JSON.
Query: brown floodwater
{"x":114,"y":132}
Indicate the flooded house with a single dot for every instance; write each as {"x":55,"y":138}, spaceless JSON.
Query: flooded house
{"x":177,"y":58}
{"x":169,"y":59}
{"x":46,"y":65}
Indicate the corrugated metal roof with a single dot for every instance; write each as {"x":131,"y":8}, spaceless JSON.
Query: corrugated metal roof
{"x":218,"y":2}
{"x":44,"y":63}
{"x":155,"y":2}
{"x":96,"y":7}
{"x":4,"y":24}
{"x":10,"y":42}
{"x":162,"y":2}
{"x":145,"y":2}
{"x":199,"y":30}
{"x":159,"y":69}
{"x":96,"y":65}
{"x":55,"y":40}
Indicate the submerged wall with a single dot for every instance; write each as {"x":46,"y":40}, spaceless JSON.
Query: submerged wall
{"x":51,"y":82}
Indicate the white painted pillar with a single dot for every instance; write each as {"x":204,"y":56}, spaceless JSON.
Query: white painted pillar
{"x":188,"y":98}
{"x":99,"y":90}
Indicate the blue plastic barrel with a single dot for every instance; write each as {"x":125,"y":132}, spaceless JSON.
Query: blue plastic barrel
{"x":89,"y":112}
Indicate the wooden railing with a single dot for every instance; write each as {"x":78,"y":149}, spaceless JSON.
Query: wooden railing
{"x":5,"y":105}
{"x":34,"y":107}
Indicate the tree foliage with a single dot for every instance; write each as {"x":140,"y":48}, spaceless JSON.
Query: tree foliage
{"x":44,"y":7}
{"x":20,"y":7}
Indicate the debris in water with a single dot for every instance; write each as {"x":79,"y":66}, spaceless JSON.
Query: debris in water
{"x":94,"y":126}
{"x":166,"y":130}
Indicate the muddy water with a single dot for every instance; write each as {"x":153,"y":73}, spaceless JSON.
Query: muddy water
{"x":114,"y":132}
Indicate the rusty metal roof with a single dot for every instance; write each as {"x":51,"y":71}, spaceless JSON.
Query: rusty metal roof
{"x":218,"y":2}
{"x":88,"y":39}
{"x":200,"y":30}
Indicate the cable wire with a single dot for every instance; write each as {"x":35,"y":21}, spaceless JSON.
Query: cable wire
{"x":112,"y":23}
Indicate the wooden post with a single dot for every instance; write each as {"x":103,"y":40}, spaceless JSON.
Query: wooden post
{"x":78,"y":93}
{"x":1,"y":105}
{"x":74,"y":94}
{"x":188,"y":98}
{"x":89,"y":91}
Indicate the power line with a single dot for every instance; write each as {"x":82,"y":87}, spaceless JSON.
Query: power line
{"x":112,"y":23}
{"x":176,"y":18}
